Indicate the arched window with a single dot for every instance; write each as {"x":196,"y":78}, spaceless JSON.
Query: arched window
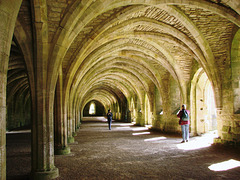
{"x":92,"y":109}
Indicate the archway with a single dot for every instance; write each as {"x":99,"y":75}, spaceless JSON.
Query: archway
{"x":235,"y":66}
{"x":203,"y":109}
{"x":93,"y":108}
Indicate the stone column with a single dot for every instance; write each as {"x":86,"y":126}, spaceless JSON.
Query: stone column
{"x":140,"y":115}
{"x":70,"y":126}
{"x":60,"y":138}
{"x":73,"y":120}
{"x":77,"y":115}
{"x":43,"y":101}
{"x":3,"y":83}
{"x":42,"y":138}
{"x":8,"y":14}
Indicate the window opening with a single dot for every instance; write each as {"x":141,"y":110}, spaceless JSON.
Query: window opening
{"x":92,"y":109}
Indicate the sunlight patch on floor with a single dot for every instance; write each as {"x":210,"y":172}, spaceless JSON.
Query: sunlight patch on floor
{"x":139,"y":129}
{"x":193,"y":145}
{"x":224,"y":166}
{"x":141,"y":133}
{"x":127,"y":124}
{"x":123,"y":128}
{"x":199,"y":142}
{"x":155,"y":138}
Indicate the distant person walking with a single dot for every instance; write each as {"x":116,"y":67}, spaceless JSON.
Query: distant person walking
{"x":109,"y":117}
{"x":184,"y":122}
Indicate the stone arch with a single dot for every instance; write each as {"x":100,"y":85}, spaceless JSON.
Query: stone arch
{"x":42,"y":163}
{"x":20,"y":85}
{"x":105,"y":71}
{"x":22,"y":38}
{"x":99,"y":109}
{"x":200,"y":103}
{"x":154,"y":23}
{"x":124,"y":46}
{"x":95,"y":62}
{"x":78,"y":78}
{"x":193,"y":100}
{"x":235,"y":65}
{"x":8,"y":12}
{"x":102,"y":78}
{"x":64,"y":33}
{"x":205,"y":48}
{"x":104,"y":95}
{"x":234,"y":4}
{"x":132,"y":66}
{"x":74,"y":34}
{"x":114,"y":81}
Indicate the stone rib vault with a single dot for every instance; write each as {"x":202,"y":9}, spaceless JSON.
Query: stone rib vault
{"x":140,"y":58}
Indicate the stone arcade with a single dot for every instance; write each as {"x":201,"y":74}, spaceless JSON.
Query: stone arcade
{"x":141,"y":58}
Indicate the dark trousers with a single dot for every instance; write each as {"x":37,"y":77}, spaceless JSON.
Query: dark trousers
{"x":109,"y":123}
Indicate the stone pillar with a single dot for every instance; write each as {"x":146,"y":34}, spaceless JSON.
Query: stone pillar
{"x":73,"y":120}
{"x":42,"y":126}
{"x":3,"y":83}
{"x":70,"y":126}
{"x":43,"y":100}
{"x":77,"y":114}
{"x":42,"y":139}
{"x":8,"y":14}
{"x":60,"y":138}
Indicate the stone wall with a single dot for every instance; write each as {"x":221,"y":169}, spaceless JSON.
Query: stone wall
{"x":229,"y":129}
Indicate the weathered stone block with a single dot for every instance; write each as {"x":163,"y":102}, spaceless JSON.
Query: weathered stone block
{"x":236,"y":130}
{"x":225,"y":128}
{"x":236,"y":123}
{"x":224,"y":136}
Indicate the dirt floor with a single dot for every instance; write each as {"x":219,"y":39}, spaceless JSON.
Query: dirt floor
{"x":129,"y":152}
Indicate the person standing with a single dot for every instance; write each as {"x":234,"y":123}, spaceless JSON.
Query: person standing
{"x":184,"y":122}
{"x":109,"y":117}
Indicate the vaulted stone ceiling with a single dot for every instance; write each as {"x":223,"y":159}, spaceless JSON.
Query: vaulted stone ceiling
{"x":109,"y":50}
{"x":17,"y":74}
{"x":147,"y":54}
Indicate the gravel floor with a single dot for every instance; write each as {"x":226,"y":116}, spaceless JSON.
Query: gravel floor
{"x":129,"y":152}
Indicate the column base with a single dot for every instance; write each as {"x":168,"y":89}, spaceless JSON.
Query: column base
{"x":70,"y":139}
{"x":74,"y":134}
{"x":62,"y":151}
{"x":46,"y":175}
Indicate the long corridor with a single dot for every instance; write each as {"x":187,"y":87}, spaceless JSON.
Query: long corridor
{"x":131,"y":152}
